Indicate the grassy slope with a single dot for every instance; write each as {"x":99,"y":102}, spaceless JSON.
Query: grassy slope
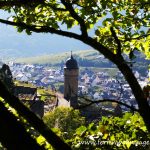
{"x":57,"y":58}
{"x":86,"y":58}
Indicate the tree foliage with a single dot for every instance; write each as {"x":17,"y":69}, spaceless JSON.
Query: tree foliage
{"x":65,"y":119}
{"x":6,"y":77}
{"x":120,"y":26}
{"x":128,"y":132}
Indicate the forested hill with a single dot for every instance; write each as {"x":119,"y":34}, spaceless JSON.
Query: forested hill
{"x":85,"y":58}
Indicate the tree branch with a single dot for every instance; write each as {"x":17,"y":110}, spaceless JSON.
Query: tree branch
{"x":117,"y":41}
{"x":37,"y":123}
{"x":104,"y":50}
{"x":81,"y":21}
{"x":106,"y":100}
{"x":42,"y":29}
{"x":19,"y":3}
{"x":45,"y":29}
{"x":137,"y":38}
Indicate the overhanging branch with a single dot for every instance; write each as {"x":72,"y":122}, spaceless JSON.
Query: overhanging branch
{"x":106,"y":100}
{"x":42,"y":29}
{"x":87,"y":40}
{"x":19,"y":3}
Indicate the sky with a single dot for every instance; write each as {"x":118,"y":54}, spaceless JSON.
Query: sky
{"x":37,"y":42}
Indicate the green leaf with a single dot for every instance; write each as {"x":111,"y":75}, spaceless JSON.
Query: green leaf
{"x":115,"y":14}
{"x":80,"y":131}
{"x":144,"y":128}
{"x":97,"y":32}
{"x":40,"y":140}
{"x":128,"y":144}
{"x":105,"y":136}
{"x":20,"y":29}
{"x":91,"y":126}
{"x":131,"y":55}
{"x":28,"y":32}
{"x":112,"y":138}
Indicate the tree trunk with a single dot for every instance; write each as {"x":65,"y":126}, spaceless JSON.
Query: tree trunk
{"x":13,"y":134}
{"x":34,"y":121}
{"x":144,"y":108}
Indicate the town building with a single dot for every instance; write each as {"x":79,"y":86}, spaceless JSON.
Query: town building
{"x":29,"y":97}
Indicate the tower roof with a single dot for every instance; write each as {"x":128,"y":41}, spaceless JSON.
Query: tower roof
{"x":71,"y":63}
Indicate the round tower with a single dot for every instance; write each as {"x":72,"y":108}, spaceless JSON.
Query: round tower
{"x":71,"y":72}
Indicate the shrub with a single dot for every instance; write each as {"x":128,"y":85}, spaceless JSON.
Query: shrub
{"x":66,"y":119}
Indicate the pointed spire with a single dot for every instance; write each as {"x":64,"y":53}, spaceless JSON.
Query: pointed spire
{"x":71,"y":55}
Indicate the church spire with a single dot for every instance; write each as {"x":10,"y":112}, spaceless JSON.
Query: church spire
{"x":71,"y":72}
{"x":71,"y":55}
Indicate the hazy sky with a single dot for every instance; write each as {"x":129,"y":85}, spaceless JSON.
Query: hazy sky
{"x":48,"y":43}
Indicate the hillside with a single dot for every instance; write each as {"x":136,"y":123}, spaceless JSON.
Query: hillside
{"x":86,"y":58}
{"x":90,"y":58}
{"x":58,"y":58}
